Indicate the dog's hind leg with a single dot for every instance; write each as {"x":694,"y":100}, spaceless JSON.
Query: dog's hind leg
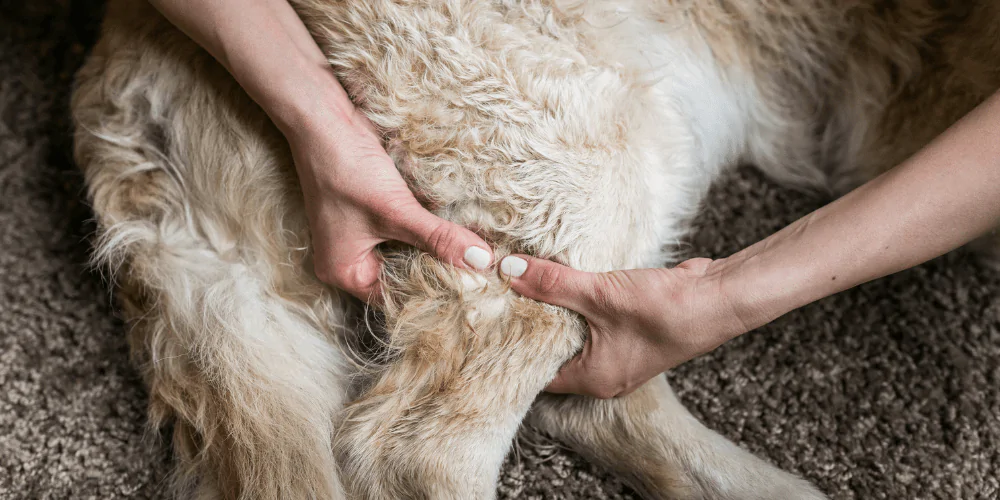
{"x":652,"y":441}
{"x":468,"y":359}
{"x":200,"y":223}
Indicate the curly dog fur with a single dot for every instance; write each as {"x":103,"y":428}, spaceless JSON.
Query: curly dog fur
{"x":580,"y":130}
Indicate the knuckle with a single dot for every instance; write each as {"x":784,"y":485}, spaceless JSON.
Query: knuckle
{"x":626,"y":390}
{"x":605,"y":393}
{"x":608,"y":388}
{"x":325,"y":273}
{"x":607,"y":296}
{"x":343,"y":277}
{"x":442,"y":237}
{"x":391,"y":213}
{"x":395,"y":211}
{"x":614,"y":293}
{"x":549,"y":279}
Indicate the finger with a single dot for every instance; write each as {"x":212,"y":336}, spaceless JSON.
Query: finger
{"x":550,"y":282}
{"x":575,"y":378}
{"x":589,"y":373}
{"x":359,"y":279}
{"x":567,"y":379}
{"x":369,"y":287}
{"x":445,"y":240}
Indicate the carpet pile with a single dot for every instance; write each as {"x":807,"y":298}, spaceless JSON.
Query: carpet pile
{"x":888,"y":391}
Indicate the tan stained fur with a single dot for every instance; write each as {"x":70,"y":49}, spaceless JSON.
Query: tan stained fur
{"x":580,"y":130}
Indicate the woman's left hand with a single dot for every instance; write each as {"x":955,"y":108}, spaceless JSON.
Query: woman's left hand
{"x":642,"y":322}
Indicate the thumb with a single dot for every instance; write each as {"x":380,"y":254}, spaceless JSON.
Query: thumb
{"x":550,"y":282}
{"x":445,"y":240}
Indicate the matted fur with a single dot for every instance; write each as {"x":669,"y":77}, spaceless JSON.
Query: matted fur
{"x":585,"y":131}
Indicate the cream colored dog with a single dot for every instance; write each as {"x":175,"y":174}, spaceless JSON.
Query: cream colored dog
{"x":581,"y":130}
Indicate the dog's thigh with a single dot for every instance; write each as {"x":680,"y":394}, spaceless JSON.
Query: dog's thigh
{"x":652,"y":441}
{"x":200,"y":224}
{"x":467,"y":357}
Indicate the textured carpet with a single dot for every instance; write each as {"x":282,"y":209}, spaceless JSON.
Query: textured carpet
{"x":890,"y":391}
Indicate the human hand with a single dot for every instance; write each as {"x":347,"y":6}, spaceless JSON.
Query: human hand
{"x":354,"y":196}
{"x":355,"y":199}
{"x":642,"y":322}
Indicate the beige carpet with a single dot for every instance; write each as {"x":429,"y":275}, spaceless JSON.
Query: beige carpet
{"x":888,"y":391}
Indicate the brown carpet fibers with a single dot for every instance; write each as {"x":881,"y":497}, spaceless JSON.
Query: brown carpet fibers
{"x":889,"y":391}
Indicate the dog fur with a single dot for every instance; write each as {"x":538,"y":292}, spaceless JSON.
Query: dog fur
{"x":585,"y":131}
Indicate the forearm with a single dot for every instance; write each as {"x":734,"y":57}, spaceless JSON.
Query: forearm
{"x":943,"y":197}
{"x":269,"y":51}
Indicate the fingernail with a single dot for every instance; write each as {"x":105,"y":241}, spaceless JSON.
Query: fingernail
{"x":513,"y":266}
{"x":477,"y":258}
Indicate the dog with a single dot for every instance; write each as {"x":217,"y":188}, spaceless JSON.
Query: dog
{"x":586,"y":131}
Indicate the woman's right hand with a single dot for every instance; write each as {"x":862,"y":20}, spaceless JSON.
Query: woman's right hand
{"x":355,"y":199}
{"x":642,"y":321}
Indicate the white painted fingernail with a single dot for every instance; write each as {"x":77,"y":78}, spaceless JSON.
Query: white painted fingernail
{"x":513,"y":266}
{"x":477,"y":258}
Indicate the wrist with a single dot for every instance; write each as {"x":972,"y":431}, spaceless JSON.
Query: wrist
{"x":746,"y":294}
{"x":310,"y":103}
{"x":321,"y":125}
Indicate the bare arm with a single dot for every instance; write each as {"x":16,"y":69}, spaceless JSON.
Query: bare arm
{"x":646,"y":321}
{"x":265,"y":46}
{"x":355,"y":197}
{"x":943,"y":197}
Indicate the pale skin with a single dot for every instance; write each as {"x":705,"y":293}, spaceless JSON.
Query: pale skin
{"x":646,"y":321}
{"x":642,"y":322}
{"x":355,"y":198}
